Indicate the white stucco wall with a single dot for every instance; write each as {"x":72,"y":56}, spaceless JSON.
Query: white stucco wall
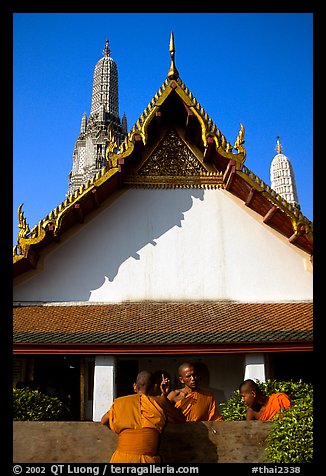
{"x":174,"y":244}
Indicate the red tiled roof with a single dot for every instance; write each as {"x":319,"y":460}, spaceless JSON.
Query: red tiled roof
{"x":158,"y":323}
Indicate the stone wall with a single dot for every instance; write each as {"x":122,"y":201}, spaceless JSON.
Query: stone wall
{"x":89,"y":442}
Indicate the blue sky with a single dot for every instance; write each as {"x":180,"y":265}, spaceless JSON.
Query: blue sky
{"x":253,"y":68}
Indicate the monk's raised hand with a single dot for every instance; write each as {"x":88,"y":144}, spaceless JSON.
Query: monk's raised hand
{"x":165,"y":385}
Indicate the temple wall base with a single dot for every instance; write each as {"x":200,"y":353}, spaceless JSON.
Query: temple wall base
{"x":91,"y":442}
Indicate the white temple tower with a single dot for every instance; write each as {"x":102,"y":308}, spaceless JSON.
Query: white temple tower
{"x":102,"y":126}
{"x":282,"y":177}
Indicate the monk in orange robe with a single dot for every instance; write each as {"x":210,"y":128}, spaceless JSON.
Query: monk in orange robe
{"x":197,"y":404}
{"x":139,"y":420}
{"x":260,"y":406}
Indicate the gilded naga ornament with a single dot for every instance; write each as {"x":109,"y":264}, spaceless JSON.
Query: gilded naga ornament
{"x":22,"y":223}
{"x":238,"y":145}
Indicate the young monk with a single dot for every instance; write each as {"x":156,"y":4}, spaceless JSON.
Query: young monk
{"x":261,"y":407}
{"x":197,"y":404}
{"x":139,"y":420}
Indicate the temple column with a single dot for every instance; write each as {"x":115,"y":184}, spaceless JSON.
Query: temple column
{"x":255,"y":367}
{"x":104,"y":385}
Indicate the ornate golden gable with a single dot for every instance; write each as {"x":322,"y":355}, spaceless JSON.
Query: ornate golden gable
{"x":172,"y":161}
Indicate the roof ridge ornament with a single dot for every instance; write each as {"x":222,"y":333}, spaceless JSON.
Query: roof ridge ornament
{"x":173,"y":72}
{"x":22,"y":224}
{"x":106,"y":51}
{"x":238,"y":145}
{"x":278,"y":148}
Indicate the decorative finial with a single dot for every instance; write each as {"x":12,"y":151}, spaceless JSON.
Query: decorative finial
{"x":173,"y":72}
{"x":106,"y":51}
{"x":278,"y":147}
{"x":238,"y":145}
{"x":22,"y":223}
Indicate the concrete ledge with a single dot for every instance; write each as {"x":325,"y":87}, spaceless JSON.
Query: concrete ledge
{"x":89,"y":442}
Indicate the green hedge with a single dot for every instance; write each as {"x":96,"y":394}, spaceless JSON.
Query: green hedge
{"x":290,"y":439}
{"x":33,"y":405}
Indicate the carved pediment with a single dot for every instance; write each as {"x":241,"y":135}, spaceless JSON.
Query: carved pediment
{"x":172,"y":157}
{"x":173,"y":163}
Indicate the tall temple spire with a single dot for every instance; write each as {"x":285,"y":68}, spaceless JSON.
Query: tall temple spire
{"x":282,"y":176}
{"x":105,"y":85}
{"x":173,"y":72}
{"x":91,"y":146}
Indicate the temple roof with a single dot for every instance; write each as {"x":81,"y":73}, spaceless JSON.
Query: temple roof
{"x":217,"y":326}
{"x":172,"y":114}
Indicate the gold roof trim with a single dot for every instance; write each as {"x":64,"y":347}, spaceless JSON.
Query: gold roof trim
{"x":52,"y":221}
{"x":207,"y":181}
{"x":209,"y":129}
{"x":300,"y":223}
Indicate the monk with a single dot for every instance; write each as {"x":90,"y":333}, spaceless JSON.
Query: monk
{"x":139,"y":420}
{"x":197,"y":404}
{"x":260,"y":406}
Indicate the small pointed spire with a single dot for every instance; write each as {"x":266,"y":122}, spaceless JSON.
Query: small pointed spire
{"x":282,"y":177}
{"x":106,"y":51}
{"x":173,"y":72}
{"x":83,"y":124}
{"x":124,"y":123}
{"x":278,"y":147}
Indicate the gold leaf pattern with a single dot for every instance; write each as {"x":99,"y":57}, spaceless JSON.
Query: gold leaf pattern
{"x":172,"y":157}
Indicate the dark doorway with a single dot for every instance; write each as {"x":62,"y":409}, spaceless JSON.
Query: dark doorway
{"x":203,"y":374}
{"x":293,"y":366}
{"x":59,"y":375}
{"x":127,"y":371}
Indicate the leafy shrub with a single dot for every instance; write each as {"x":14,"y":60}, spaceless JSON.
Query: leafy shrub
{"x":290,"y":439}
{"x":234,"y":409}
{"x":33,"y":405}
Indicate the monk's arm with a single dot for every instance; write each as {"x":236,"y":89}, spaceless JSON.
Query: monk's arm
{"x":250,"y":414}
{"x":105,"y":419}
{"x":108,"y":418}
{"x":173,"y":396}
{"x":174,"y":415}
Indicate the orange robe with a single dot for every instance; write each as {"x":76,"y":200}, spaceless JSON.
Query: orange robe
{"x":276,"y":402}
{"x":138,"y":420}
{"x":199,"y":405}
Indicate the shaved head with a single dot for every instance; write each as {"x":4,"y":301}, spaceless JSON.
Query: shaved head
{"x":145,"y":381}
{"x":188,"y":375}
{"x":251,"y":394}
{"x":249,"y":386}
{"x":183,"y":367}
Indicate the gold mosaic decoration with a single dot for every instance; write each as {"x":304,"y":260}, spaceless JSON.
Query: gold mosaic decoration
{"x":174,"y":165}
{"x":172,"y":157}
